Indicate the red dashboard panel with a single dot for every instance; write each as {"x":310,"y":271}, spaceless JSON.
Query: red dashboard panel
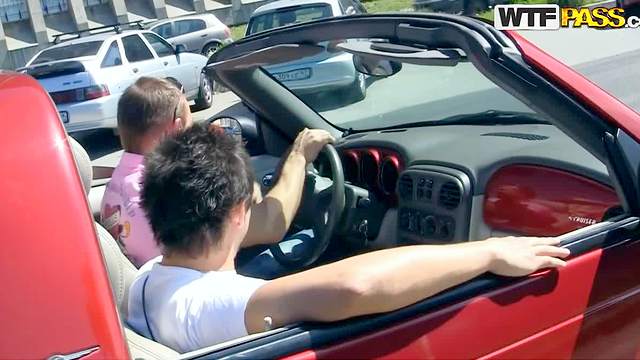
{"x":542,"y":201}
{"x":376,"y":169}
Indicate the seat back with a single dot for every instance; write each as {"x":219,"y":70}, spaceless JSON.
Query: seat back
{"x":121,"y":271}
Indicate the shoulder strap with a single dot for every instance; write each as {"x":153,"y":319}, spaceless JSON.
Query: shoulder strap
{"x":144,"y":307}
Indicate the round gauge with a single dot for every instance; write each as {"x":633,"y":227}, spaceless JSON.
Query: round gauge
{"x":351,"y":165}
{"x":230,"y":126}
{"x":389,"y":173}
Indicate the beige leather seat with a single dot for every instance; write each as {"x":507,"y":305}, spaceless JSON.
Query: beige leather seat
{"x":121,"y":271}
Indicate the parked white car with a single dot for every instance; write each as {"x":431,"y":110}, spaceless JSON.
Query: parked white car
{"x":86,"y":76}
{"x":201,"y":33}
{"x":331,"y":70}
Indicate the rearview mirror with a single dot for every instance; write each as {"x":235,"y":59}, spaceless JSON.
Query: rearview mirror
{"x":180,"y":49}
{"x":374,"y":66}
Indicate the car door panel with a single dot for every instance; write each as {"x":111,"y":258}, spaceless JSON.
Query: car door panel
{"x":134,"y":48}
{"x":538,"y":346}
{"x":187,"y":36}
{"x":487,"y":323}
{"x":183,"y":71}
{"x":201,"y":37}
{"x":563,"y":314}
{"x":168,"y":60}
{"x":567,"y":310}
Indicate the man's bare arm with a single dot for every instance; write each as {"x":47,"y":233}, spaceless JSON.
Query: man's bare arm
{"x":390,"y":279}
{"x":272,"y":217}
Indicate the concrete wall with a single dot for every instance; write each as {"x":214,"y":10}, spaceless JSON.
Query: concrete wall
{"x":20,"y":40}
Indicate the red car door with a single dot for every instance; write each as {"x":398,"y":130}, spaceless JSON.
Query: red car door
{"x":56,"y":298}
{"x":589,"y":309}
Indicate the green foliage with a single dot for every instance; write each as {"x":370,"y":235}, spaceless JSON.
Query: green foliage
{"x":376,"y":6}
{"x":237,"y":31}
{"x":571,"y":3}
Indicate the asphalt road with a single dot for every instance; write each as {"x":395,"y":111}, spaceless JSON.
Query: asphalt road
{"x":609,"y":58}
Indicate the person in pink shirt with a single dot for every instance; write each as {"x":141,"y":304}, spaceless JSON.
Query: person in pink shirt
{"x":148,"y":111}
{"x":152,"y":109}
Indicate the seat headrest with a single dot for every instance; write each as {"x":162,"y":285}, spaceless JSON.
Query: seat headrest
{"x":83,"y":162}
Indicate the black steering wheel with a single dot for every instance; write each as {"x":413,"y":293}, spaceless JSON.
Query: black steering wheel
{"x":325,"y":210}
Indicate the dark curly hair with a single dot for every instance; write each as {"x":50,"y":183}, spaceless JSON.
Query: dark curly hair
{"x":191,"y":182}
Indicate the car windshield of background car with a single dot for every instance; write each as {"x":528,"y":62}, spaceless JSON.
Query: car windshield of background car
{"x":329,"y":83}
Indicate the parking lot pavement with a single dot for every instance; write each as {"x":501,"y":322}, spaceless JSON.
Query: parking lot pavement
{"x":610,"y":58}
{"x":221,"y":101}
{"x":104,"y":148}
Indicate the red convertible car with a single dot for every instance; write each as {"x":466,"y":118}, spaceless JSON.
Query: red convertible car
{"x":466,"y":132}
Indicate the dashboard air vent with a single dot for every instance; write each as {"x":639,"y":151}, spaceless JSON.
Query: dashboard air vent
{"x":522,"y":136}
{"x":405,"y":187}
{"x":450,"y":194}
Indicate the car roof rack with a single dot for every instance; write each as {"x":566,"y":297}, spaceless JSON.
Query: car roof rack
{"x":101,"y":29}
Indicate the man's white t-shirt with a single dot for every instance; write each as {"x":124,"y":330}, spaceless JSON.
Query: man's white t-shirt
{"x":187,"y":309}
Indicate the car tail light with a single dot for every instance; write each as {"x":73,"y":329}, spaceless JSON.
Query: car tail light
{"x":80,"y":94}
{"x":96,"y":91}
{"x":63,"y":97}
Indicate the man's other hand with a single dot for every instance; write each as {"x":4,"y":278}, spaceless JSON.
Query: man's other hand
{"x":310,"y":142}
{"x":520,"y":256}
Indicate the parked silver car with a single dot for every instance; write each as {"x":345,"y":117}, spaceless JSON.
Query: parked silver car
{"x":202,"y":33}
{"x":330,"y":70}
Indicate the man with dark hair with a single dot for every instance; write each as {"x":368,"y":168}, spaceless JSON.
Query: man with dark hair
{"x":197,"y":191}
{"x":148,"y":111}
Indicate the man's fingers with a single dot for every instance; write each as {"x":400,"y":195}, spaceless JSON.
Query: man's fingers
{"x":548,"y":250}
{"x":546,"y":241}
{"x":551,"y":262}
{"x":323,"y":136}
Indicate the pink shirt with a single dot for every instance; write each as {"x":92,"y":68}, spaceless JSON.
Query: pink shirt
{"x":121,"y":212}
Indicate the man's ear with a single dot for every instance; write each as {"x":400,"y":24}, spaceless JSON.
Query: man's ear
{"x":178,"y":124}
{"x":237,"y":214}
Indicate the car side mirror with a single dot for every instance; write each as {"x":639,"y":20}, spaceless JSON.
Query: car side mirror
{"x":376,"y":67}
{"x":180,"y":48}
{"x":350,"y":10}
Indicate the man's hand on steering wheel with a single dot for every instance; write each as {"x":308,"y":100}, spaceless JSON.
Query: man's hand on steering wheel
{"x":309,"y":142}
{"x":327,"y":204}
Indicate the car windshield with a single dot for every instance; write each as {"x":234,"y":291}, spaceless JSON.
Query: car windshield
{"x":68,"y":52}
{"x":329,"y":83}
{"x":288,"y":16}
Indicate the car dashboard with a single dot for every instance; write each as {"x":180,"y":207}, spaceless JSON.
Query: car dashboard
{"x":446,"y":184}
